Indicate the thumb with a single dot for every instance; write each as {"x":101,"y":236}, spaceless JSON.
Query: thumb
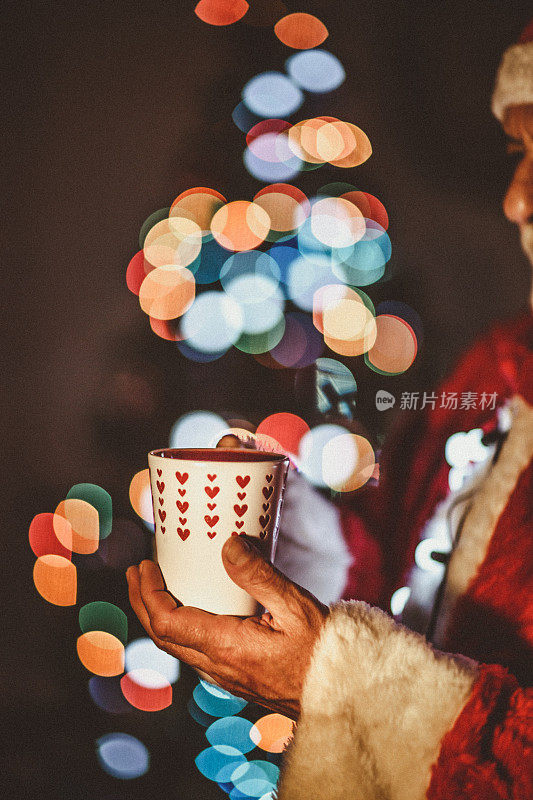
{"x":249,"y":570}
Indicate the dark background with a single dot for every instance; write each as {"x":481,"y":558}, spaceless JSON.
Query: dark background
{"x":111,"y":110}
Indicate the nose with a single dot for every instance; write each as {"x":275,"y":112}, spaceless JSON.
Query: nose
{"x":518,"y":201}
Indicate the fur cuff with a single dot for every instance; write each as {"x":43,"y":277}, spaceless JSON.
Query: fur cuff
{"x":514,"y":82}
{"x":376,"y":704}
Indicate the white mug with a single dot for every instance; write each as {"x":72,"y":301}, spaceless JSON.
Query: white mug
{"x":201,"y":497}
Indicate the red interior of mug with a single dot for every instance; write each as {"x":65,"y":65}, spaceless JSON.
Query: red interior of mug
{"x":218,"y":455}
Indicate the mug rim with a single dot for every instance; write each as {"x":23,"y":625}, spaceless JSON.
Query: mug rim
{"x":203,"y":455}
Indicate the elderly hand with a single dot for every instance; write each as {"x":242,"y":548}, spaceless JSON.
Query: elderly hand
{"x":263,"y":659}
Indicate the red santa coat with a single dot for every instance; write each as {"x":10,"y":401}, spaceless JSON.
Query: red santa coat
{"x":384,"y":715}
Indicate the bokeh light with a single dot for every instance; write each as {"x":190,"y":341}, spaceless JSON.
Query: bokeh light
{"x":143,"y":654}
{"x":299,"y":347}
{"x":219,"y":762}
{"x":76,"y":525}
{"x":240,"y":225}
{"x":55,"y":578}
{"x":175,"y":241}
{"x":301,"y":31}
{"x":167,"y":292}
{"x":261,"y":301}
{"x":287,"y":207}
{"x":311,"y":450}
{"x":287,"y":429}
{"x":149,"y":222}
{"x":197,"y":429}
{"x":146,"y":690}
{"x":272,"y":732}
{"x":99,"y":499}
{"x":101,"y":652}
{"x":140,"y":495}
{"x":272,"y":94}
{"x":102,"y":616}
{"x":395,"y":347}
{"x":198,"y":205}
{"x":214,"y":323}
{"x":348,"y":462}
{"x":255,"y":778}
{"x":316,"y":71}
{"x":217,"y":702}
{"x":107,"y":695}
{"x":136,"y":272}
{"x":122,"y":755}
{"x":42,"y":537}
{"x":233,"y":731}
{"x":221,"y":12}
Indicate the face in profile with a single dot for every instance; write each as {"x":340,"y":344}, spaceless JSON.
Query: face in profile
{"x":518,"y":201}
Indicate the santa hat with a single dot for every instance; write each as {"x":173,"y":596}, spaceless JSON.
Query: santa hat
{"x":514,"y":81}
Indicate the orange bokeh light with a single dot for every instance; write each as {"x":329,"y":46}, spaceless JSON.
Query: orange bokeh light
{"x":76,"y":525}
{"x":101,"y":653}
{"x":395,"y":347}
{"x":56,"y":579}
{"x":240,"y":225}
{"x":221,"y":12}
{"x":140,"y":492}
{"x":167,"y":292}
{"x":301,"y":31}
{"x":199,"y":207}
{"x":287,"y":206}
{"x":272,"y":732}
{"x":348,"y":462}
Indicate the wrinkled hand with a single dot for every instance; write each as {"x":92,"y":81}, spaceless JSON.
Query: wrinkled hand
{"x":263,"y":659}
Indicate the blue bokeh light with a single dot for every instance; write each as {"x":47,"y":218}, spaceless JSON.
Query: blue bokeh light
{"x":233,"y":731}
{"x":272,"y":94}
{"x":316,"y":70}
{"x":122,"y":755}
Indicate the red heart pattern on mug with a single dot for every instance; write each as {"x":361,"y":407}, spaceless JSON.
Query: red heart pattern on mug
{"x":267,"y":491}
{"x":243,"y":480}
{"x":211,"y":521}
{"x":182,"y":492}
{"x":211,"y":534}
{"x":182,"y":506}
{"x":183,"y":477}
{"x":240,"y":510}
{"x":241,"y":495}
{"x":160,"y":486}
{"x":159,"y":473}
{"x":212,"y":491}
{"x":162,"y":515}
{"x":211,"y":506}
{"x":163,"y":529}
{"x":239,"y":523}
{"x":264,"y":520}
{"x":161,"y":501}
{"x":183,"y":534}
{"x":211,"y":478}
{"x":183,"y":520}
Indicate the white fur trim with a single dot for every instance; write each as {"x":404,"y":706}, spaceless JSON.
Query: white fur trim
{"x":376,"y":704}
{"x":482,"y":518}
{"x":514,"y":81}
